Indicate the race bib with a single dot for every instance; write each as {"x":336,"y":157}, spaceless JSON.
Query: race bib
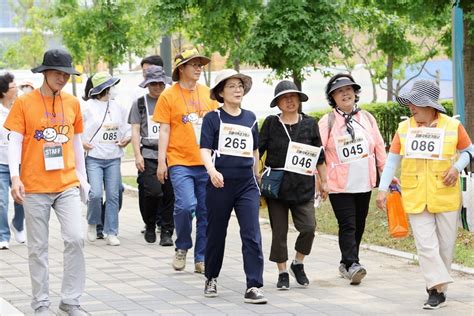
{"x":153,"y":128}
{"x":235,"y":140}
{"x":53,"y":156}
{"x":349,"y":150}
{"x":301,"y":158}
{"x":424,"y":143}
{"x":109,"y":133}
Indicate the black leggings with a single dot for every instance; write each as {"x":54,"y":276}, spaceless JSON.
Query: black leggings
{"x":351,"y":211}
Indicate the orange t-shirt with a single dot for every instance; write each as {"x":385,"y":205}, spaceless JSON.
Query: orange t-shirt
{"x":463,"y":141}
{"x":32,"y":116}
{"x":174,"y":107}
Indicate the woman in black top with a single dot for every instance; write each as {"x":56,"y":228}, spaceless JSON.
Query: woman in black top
{"x":297,"y":187}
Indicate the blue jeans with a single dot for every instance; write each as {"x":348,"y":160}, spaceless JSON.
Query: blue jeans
{"x":107,"y":172}
{"x":19,"y":216}
{"x":189,"y":184}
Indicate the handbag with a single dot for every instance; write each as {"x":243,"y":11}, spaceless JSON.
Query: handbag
{"x":467,"y":190}
{"x":397,"y":219}
{"x":270,"y":182}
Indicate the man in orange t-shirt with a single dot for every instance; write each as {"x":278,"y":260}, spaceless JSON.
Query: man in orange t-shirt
{"x":180,"y":110}
{"x":45,"y":127}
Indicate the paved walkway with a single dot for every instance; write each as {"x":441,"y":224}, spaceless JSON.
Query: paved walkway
{"x":136,"y":278}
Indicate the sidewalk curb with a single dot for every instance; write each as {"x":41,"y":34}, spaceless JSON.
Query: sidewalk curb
{"x":388,"y":251}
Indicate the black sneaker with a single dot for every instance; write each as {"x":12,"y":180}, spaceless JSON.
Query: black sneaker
{"x":297,"y":271}
{"x":435,"y":300}
{"x":165,"y":239}
{"x":283,"y":281}
{"x":254,"y":295}
{"x":210,"y":288}
{"x":150,"y":236}
{"x":100,"y":235}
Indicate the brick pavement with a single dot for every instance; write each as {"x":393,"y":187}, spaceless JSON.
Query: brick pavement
{"x":136,"y":278}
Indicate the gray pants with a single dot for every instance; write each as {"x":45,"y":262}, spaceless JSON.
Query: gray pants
{"x":67,"y":206}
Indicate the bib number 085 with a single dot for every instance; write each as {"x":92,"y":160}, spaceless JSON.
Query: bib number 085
{"x":110,"y":136}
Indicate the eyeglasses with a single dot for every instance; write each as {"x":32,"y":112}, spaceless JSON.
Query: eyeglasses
{"x":234,"y":86}
{"x":195,"y":66}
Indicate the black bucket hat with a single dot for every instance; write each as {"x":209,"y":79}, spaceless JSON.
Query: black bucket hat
{"x":423,"y":93}
{"x":57,"y":59}
{"x":285,"y":87}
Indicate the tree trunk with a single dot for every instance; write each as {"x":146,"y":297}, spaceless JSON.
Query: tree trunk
{"x":236,"y":63}
{"x":298,"y":83}
{"x":111,"y":68}
{"x":129,"y":61}
{"x":468,"y":64}
{"x":389,"y":78}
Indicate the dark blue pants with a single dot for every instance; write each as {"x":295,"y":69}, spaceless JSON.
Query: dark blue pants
{"x":242,"y":195}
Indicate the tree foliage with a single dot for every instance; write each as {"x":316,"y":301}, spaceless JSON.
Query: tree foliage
{"x":294,"y":34}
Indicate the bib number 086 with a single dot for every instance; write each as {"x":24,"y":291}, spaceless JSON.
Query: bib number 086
{"x":422,"y":145}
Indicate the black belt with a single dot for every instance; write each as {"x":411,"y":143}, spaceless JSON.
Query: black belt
{"x":152,"y":147}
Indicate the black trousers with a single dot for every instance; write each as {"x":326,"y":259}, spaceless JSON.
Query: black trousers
{"x":351,"y":211}
{"x":155,"y":199}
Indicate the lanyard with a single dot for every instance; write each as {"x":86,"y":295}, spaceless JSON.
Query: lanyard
{"x":54,"y":113}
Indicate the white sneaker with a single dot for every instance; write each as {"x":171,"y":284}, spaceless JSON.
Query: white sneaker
{"x":4,"y":245}
{"x":91,"y":233}
{"x":112,"y":240}
{"x":20,"y":236}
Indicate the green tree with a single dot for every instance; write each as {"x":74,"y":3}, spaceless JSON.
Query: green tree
{"x":294,"y":34}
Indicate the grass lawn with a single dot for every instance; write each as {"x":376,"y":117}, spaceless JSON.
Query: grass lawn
{"x":376,"y":232}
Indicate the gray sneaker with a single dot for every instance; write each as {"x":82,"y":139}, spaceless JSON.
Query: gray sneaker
{"x":71,"y":310}
{"x":343,"y":271}
{"x":210,"y":288}
{"x":43,"y":311}
{"x":179,"y":260}
{"x":356,"y":273}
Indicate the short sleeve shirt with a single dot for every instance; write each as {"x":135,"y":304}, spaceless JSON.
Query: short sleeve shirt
{"x":33,"y":116}
{"x":139,"y":115}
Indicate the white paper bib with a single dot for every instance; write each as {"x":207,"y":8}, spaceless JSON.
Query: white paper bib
{"x":235,"y":140}
{"x":349,"y":150}
{"x":301,"y":158}
{"x":424,"y":143}
{"x":108,"y":133}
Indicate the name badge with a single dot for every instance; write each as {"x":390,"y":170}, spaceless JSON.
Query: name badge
{"x":235,"y":140}
{"x":109,"y":133}
{"x":153,"y":128}
{"x":53,"y":156}
{"x":302,"y":158}
{"x":349,"y":150}
{"x":196,"y":121}
{"x":424,"y":143}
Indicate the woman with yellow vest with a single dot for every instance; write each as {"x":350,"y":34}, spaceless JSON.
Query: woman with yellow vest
{"x":427,"y":145}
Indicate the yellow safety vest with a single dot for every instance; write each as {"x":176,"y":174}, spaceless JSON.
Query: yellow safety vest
{"x":422,"y":179}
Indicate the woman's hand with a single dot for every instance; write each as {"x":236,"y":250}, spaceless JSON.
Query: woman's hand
{"x":382,"y":200}
{"x":216,"y":178}
{"x":323,"y":190}
{"x":450,"y":176}
{"x":87,"y":146}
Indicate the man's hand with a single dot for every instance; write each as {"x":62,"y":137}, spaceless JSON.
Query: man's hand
{"x":18,"y":190}
{"x":140,"y":163}
{"x":162,"y":172}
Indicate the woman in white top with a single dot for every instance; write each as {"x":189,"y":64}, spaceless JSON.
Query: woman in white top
{"x":106,"y":133}
{"x":8,"y":93}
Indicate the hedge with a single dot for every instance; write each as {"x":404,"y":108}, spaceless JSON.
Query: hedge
{"x":388,"y":115}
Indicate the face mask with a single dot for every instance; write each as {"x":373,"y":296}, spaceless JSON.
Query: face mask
{"x":26,"y":89}
{"x":113,"y":92}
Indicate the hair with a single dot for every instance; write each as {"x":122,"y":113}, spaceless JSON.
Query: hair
{"x":89,"y":87}
{"x":152,"y":60}
{"x":219,"y":88}
{"x":329,"y":97}
{"x":5,"y":81}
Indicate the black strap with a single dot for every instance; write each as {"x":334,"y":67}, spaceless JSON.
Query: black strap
{"x":152,"y":147}
{"x":101,"y":123}
{"x":141,"y":105}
